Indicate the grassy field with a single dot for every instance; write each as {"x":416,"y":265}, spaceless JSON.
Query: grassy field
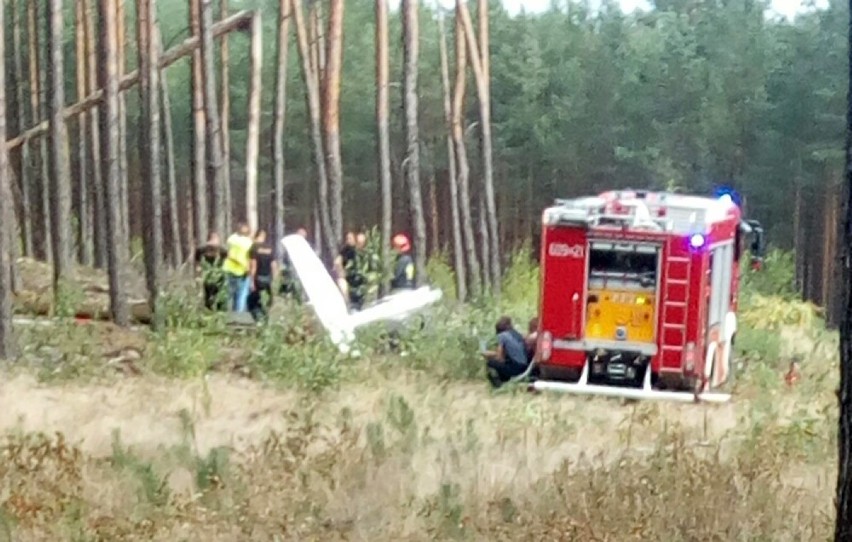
{"x":203,"y":432}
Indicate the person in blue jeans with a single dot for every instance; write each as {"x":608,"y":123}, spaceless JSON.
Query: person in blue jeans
{"x":236,"y":268}
{"x":510,"y":358}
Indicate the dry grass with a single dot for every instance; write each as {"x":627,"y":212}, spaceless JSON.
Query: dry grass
{"x":406,"y":458}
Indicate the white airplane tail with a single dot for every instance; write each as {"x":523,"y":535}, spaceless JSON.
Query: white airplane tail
{"x":330,"y":306}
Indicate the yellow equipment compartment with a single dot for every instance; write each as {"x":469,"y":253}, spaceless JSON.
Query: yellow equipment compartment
{"x":620,"y":315}
{"x":622,"y":291}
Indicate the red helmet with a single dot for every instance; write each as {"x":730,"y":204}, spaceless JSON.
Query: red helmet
{"x":401,"y":242}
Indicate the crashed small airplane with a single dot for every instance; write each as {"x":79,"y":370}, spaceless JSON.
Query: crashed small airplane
{"x":330,"y":306}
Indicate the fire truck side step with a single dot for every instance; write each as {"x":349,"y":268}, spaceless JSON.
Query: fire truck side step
{"x":582,"y":387}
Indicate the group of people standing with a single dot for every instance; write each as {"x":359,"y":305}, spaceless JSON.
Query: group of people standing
{"x":238,"y":275}
{"x":354,"y":263}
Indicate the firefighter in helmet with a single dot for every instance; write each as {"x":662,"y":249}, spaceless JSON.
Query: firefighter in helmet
{"x":404,"y":271}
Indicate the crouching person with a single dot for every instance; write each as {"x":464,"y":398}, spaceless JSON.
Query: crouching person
{"x":510,"y":358}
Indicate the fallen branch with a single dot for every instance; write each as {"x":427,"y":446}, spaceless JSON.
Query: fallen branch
{"x":236,"y":22}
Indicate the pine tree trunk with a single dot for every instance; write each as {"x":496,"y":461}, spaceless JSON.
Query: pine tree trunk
{"x":331,"y":114}
{"x":170,"y":168}
{"x":411,"y":48}
{"x":60,"y":186}
{"x":280,"y":115}
{"x":39,"y":152}
{"x":224,"y":55}
{"x":6,"y":225}
{"x":85,"y":225}
{"x":382,"y":128}
{"x":831,"y":309}
{"x":843,"y":500}
{"x":484,"y":243}
{"x":211,"y":114}
{"x":109,"y":132}
{"x":253,"y":135}
{"x":199,"y":152}
{"x":310,"y":69}
{"x":827,"y":252}
{"x":797,"y":236}
{"x":20,"y":119}
{"x":124,"y":182}
{"x":481,"y":71}
{"x":96,"y":191}
{"x":435,"y":218}
{"x":149,"y":147}
{"x":458,"y":248}
{"x":463,"y":170}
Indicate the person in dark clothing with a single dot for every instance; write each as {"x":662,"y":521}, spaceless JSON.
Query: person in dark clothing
{"x":353,"y":266}
{"x":208,"y":260}
{"x":262,"y":269}
{"x":510,"y":358}
{"x":404,"y":272}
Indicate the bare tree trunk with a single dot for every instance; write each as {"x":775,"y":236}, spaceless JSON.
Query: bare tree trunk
{"x":108,"y":71}
{"x":199,"y":164}
{"x":832,"y":316}
{"x":484,"y":243}
{"x":211,"y":114}
{"x":411,"y":51}
{"x":458,"y":248}
{"x":843,"y":499}
{"x":39,"y":153}
{"x":85,"y":225}
{"x":280,"y":115}
{"x":6,"y":221}
{"x":20,"y":119}
{"x":481,"y":70}
{"x":224,"y":55}
{"x":124,"y":188}
{"x":171,"y":177}
{"x":463,"y":169}
{"x":60,"y":186}
{"x":331,"y":113}
{"x":382,"y":106}
{"x":95,"y":168}
{"x":253,"y":136}
{"x":149,"y":147}
{"x":309,"y":75}
{"x":797,"y":236}
{"x":827,"y":249}
{"x":435,"y":219}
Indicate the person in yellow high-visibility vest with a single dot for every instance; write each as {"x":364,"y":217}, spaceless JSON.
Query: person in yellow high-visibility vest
{"x":236,"y":268}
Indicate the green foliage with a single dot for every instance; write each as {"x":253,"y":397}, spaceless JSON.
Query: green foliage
{"x":152,"y":489}
{"x":442,"y":276}
{"x":312,"y":363}
{"x":521,"y":284}
{"x":775,"y":278}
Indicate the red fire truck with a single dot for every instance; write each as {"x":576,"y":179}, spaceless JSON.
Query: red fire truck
{"x":639,"y":294}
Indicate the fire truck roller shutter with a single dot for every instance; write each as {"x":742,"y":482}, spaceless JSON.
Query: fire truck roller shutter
{"x":622,"y":286}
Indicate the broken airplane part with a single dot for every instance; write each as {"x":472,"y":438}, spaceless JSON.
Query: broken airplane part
{"x":330,"y":306}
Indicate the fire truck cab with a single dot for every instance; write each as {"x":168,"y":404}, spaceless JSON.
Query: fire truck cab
{"x":639,"y":293}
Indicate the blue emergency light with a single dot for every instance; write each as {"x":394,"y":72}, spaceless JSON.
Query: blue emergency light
{"x":696,"y":240}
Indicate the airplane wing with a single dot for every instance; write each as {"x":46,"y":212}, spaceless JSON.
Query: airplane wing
{"x":330,"y":306}
{"x":397,"y":306}
{"x":322,"y":292}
